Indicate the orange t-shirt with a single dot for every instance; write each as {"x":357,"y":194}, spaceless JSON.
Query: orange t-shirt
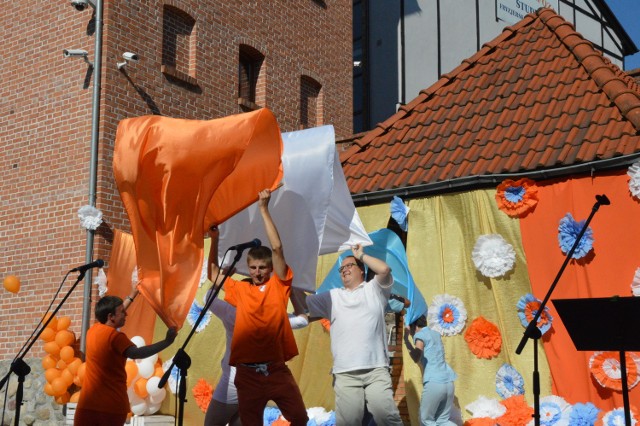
{"x":105,"y":381}
{"x":262,"y":332}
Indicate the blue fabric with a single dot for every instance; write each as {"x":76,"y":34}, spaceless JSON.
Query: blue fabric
{"x":388,"y":247}
{"x":399,"y":212}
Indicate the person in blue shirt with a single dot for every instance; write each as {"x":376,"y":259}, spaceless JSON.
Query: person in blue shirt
{"x":437,"y":375}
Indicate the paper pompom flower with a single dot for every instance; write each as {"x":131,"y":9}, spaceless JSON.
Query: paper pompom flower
{"x":101,"y":282}
{"x":202,"y":393}
{"x":483,"y":338}
{"x":605,"y":368}
{"x":270,"y":415}
{"x":528,"y":306}
{"x":554,"y":411}
{"x":568,"y":231}
{"x":634,"y":181}
{"x":486,"y":407}
{"x":399,"y":212}
{"x":447,"y":315}
{"x":583,"y":414}
{"x":203,"y":272}
{"x":194,"y":313}
{"x":174,"y":377}
{"x":518,"y":411}
{"x":90,"y":217}
{"x":493,"y":256}
{"x":635,"y":284}
{"x":509,"y":382}
{"x":481,"y":421}
{"x":517,"y":198}
{"x":616,"y":417}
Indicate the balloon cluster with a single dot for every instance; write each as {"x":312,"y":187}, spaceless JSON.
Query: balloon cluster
{"x":143,"y":376}
{"x":63,"y":370}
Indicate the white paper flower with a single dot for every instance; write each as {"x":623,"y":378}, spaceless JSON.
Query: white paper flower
{"x":635,"y":284}
{"x":172,"y":382}
{"x":616,"y":417}
{"x":447,"y":315}
{"x":509,"y":382}
{"x":493,"y":256}
{"x":90,"y":217}
{"x":101,"y":282}
{"x":194,"y":314}
{"x":634,"y":181}
{"x":486,"y":407}
{"x":134,"y":277}
{"x":318,"y":414}
{"x":554,"y":411}
{"x":203,"y":272}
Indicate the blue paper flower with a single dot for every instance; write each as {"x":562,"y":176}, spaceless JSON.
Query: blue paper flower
{"x":509,"y":382}
{"x":567,"y":234}
{"x":528,"y":306}
{"x":584,"y":414}
{"x":174,"y":377}
{"x":399,"y":212}
{"x":271,"y":414}
{"x":554,"y":410}
{"x":514,"y":194}
{"x":615,"y":417}
{"x":331,"y":421}
{"x":447,"y":315}
{"x":194,"y":313}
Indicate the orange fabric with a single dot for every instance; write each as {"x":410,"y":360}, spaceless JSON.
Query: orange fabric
{"x":104,"y":387}
{"x":178,"y":177}
{"x":141,"y":318}
{"x":608,"y":271}
{"x":262,"y":332}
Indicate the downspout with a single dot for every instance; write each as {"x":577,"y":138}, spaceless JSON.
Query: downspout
{"x":93,"y":170}
{"x":403,"y":76}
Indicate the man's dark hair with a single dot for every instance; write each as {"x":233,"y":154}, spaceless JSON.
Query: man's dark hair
{"x":105,"y":306}
{"x":260,"y":253}
{"x":358,"y":262}
{"x":420,"y":322}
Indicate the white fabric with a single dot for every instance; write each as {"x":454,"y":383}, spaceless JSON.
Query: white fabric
{"x":358,"y":332}
{"x":313,"y":210}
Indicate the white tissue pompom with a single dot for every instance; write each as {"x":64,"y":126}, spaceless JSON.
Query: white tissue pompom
{"x":493,"y":256}
{"x":101,"y":282}
{"x":634,"y":179}
{"x":486,"y":407}
{"x":90,"y":217}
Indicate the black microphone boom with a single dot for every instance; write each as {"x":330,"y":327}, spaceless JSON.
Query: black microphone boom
{"x":241,"y":247}
{"x":98,"y":263}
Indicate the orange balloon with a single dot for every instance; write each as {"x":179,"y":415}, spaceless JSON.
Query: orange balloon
{"x":53,"y":323}
{"x":140,"y":388}
{"x":132,"y":371}
{"x":67,"y":376}
{"x":63,"y":399}
{"x":48,"y":389}
{"x":59,"y":386}
{"x":48,"y":362}
{"x":51,"y":373}
{"x":77,"y":381}
{"x":158,"y":372}
{"x":80,"y":373}
{"x":48,"y":334}
{"x":74,"y":365}
{"x":12,"y":283}
{"x":61,"y":365}
{"x":65,"y":338}
{"x":63,"y":323}
{"x":52,"y":349}
{"x":67,"y":354}
{"x":75,"y":397}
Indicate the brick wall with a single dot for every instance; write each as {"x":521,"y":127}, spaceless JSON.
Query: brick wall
{"x":45,"y":110}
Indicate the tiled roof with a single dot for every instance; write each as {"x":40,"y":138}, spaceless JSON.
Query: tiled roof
{"x":537,"y":101}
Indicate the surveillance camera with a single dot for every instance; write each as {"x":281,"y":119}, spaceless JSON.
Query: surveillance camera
{"x":75,"y":53}
{"x":128,"y":56}
{"x":81,"y":5}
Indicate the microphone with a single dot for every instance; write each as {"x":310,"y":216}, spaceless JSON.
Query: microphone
{"x":98,"y":263}
{"x":241,"y":247}
{"x":603,"y":199}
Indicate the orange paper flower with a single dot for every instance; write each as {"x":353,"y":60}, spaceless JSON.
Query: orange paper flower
{"x":280,"y":422}
{"x":202,"y":393}
{"x":483,"y":338}
{"x":605,"y":367}
{"x":326,"y":324}
{"x":518,"y":412}
{"x":517,"y":198}
{"x":481,"y":421}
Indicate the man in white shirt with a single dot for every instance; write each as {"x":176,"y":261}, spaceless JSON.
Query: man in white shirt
{"x":358,"y":340}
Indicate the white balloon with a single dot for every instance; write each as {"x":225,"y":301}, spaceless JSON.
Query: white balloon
{"x":158,"y":397}
{"x":146,"y":368}
{"x":152,"y":385}
{"x":139,"y":409}
{"x":138,"y":341}
{"x":153,"y":358}
{"x":152,"y":408}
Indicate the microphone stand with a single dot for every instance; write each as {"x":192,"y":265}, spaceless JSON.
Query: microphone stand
{"x":532,"y":331}
{"x":21,"y":368}
{"x":181,"y":359}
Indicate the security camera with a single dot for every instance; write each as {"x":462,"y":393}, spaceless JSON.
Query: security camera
{"x":74,"y":53}
{"x":130,"y":57}
{"x":81,"y":5}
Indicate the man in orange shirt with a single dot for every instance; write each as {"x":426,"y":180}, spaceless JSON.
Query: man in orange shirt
{"x":262,"y":338}
{"x":103,"y":398}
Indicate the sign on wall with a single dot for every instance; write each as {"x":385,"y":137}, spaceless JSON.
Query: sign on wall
{"x":512,"y":11}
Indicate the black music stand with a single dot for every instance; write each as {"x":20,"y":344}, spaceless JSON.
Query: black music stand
{"x":604,"y":324}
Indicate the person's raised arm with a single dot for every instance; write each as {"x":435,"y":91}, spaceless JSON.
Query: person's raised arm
{"x":213,"y":270}
{"x":129,"y":299}
{"x":279,"y":263}
{"x":379,"y":267}
{"x":414,"y":351}
{"x":134,"y":352}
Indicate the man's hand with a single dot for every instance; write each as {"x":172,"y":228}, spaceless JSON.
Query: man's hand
{"x":358,"y":251}
{"x":171,"y":334}
{"x":263,"y":198}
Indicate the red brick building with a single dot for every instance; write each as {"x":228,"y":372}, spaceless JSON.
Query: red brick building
{"x":197,"y":60}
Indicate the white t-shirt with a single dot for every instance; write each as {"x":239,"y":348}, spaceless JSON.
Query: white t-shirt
{"x":358,"y":332}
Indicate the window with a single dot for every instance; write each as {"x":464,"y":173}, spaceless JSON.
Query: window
{"x":311,"y":103}
{"x":178,"y":44}
{"x":251,"y":91}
